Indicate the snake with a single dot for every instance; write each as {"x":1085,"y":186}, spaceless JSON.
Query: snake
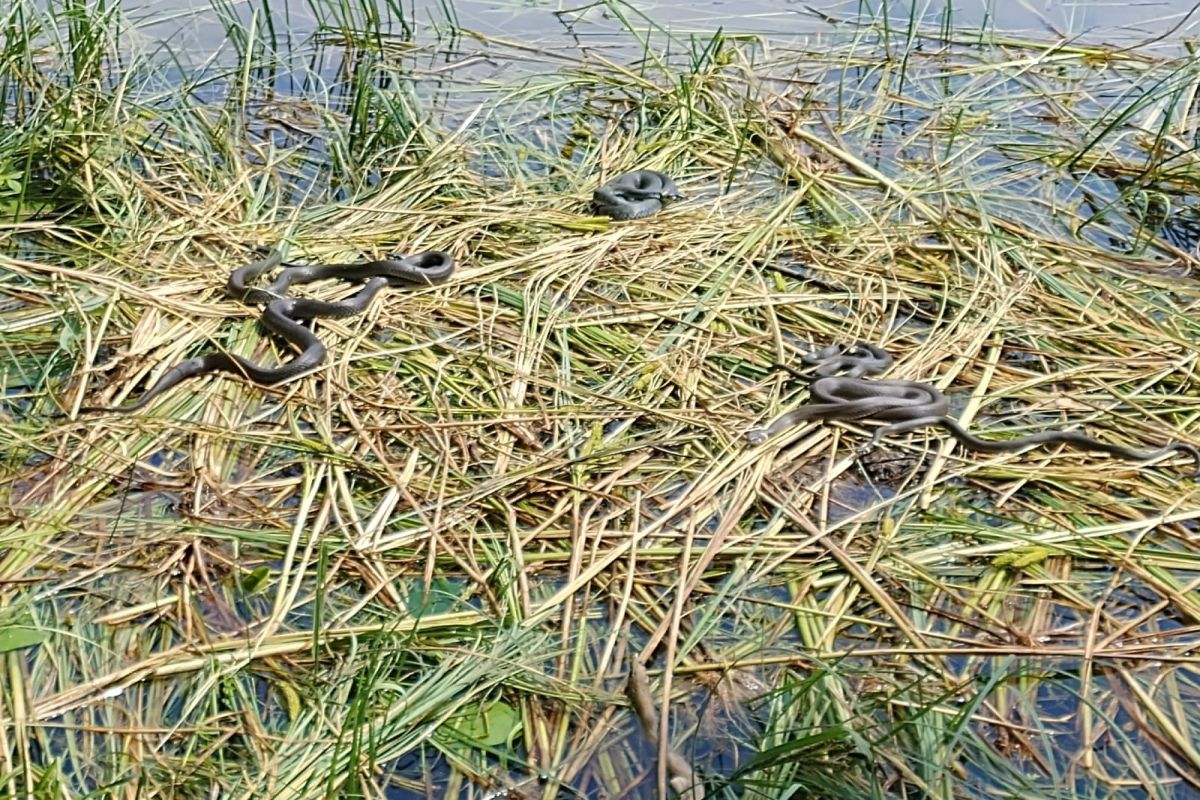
{"x":635,"y":195}
{"x":283,"y":315}
{"x":910,"y":405}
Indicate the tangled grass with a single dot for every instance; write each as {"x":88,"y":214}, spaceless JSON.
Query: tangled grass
{"x":423,"y":570}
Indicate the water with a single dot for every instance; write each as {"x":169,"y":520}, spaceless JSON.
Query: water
{"x":194,"y":23}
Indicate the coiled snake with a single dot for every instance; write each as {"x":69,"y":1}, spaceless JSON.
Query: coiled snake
{"x":635,"y":195}
{"x":283,"y":314}
{"x":909,"y":405}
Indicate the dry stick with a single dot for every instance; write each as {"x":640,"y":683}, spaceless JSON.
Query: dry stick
{"x":6,"y":748}
{"x":813,"y":658}
{"x":1171,"y":31}
{"x":1087,"y":666}
{"x":626,"y":598}
{"x":683,"y":779}
{"x":1091,"y":642}
{"x":20,"y":716}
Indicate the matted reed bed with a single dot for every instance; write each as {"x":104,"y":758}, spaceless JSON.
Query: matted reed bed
{"x":422,"y":570}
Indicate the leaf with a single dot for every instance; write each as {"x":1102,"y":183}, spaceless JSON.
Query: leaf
{"x":491,"y":724}
{"x":794,"y":751}
{"x":18,"y":637}
{"x":257,"y":580}
{"x":67,"y":337}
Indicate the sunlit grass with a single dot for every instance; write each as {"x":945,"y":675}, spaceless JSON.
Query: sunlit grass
{"x":425,"y":568}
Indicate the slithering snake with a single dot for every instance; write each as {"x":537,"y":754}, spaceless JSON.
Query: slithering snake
{"x":634,"y":195}
{"x":909,"y":405}
{"x":282,"y":314}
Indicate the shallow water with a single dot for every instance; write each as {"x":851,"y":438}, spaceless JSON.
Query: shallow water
{"x":598,"y":24}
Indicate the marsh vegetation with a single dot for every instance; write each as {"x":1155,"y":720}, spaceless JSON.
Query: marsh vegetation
{"x":422,"y":571}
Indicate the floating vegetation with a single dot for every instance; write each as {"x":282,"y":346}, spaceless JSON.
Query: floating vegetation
{"x":425,"y":568}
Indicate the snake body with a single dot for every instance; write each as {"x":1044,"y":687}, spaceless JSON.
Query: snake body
{"x":283,"y":314}
{"x":634,"y":195}
{"x":857,"y":398}
{"x":861,"y":358}
{"x":910,"y":405}
{"x":420,"y":269}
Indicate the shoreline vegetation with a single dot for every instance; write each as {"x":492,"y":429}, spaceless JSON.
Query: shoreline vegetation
{"x":425,"y":569}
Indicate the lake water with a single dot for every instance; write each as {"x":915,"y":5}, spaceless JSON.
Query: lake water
{"x":196,"y":25}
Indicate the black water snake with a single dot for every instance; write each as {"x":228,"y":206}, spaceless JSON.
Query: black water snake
{"x":283,"y":315}
{"x":634,"y":195}
{"x":909,"y":405}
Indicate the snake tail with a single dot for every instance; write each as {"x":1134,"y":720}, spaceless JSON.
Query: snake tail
{"x":1072,"y":438}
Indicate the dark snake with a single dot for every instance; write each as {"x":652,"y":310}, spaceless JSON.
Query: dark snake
{"x":283,"y":314}
{"x":909,"y":405}
{"x":635,"y":195}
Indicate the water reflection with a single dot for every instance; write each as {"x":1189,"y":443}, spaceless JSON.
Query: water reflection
{"x":194,"y":25}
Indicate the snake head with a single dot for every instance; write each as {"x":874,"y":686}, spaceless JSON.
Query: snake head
{"x":1195,"y":454}
{"x":875,"y":440}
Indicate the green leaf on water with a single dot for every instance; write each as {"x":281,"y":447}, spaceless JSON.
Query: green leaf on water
{"x":257,"y":580}
{"x":444,"y":596}
{"x":491,"y":724}
{"x":67,"y":336}
{"x":18,"y":637}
